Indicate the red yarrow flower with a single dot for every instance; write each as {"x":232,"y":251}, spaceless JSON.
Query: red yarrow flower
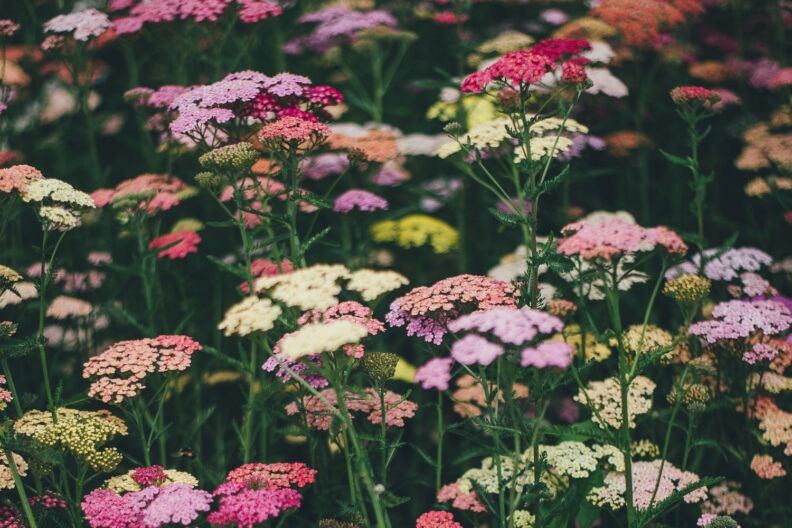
{"x":529,"y":66}
{"x":694,"y":96}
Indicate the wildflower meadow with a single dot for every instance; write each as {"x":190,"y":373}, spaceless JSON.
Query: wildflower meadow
{"x":395,"y":263}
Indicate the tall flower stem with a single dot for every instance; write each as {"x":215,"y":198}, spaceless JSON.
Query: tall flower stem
{"x":624,"y":384}
{"x":46,"y":267}
{"x":20,"y":487}
{"x":440,"y":435}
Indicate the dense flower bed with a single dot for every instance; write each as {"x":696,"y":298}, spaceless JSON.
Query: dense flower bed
{"x":361,"y":263}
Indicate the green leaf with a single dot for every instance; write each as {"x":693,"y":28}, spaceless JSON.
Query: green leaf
{"x":235,"y":270}
{"x":507,"y":218}
{"x":390,"y":500}
{"x":676,"y":160}
{"x":313,"y":240}
{"x":587,"y":515}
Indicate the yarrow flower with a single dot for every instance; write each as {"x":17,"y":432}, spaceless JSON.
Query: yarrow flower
{"x":250,"y":94}
{"x":18,"y":177}
{"x":426,"y":310}
{"x":359,"y":199}
{"x":252,"y":314}
{"x":150,"y":507}
{"x":158,"y":11}
{"x":293,"y":129}
{"x":524,"y":67}
{"x":725,"y":265}
{"x":435,"y":374}
{"x":315,"y":338}
{"x":336,"y":25}
{"x":694,"y":96}
{"x":121,"y":369}
{"x":254,"y":493}
{"x":656,"y":480}
{"x":437,"y":519}
{"x":417,"y":230}
{"x":371,"y":284}
{"x":147,"y":193}
{"x":613,"y":238}
{"x":766,"y":467}
{"x":81,"y":433}
{"x":735,"y":321}
{"x":176,"y":245}
{"x":65,"y":307}
{"x":142,"y":477}
{"x":320,"y":417}
{"x":82,"y":25}
{"x":6,"y":477}
{"x":604,"y":400}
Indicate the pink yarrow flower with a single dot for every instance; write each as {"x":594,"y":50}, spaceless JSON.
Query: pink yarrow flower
{"x":437,"y":519}
{"x":176,"y":245}
{"x":616,"y":237}
{"x":359,"y":199}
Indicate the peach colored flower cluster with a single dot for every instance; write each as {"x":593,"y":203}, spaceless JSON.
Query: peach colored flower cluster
{"x":766,"y":467}
{"x":319,"y":416}
{"x":121,"y":369}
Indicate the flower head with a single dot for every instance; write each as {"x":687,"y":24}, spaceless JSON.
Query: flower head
{"x":359,"y":199}
{"x":81,"y":433}
{"x":121,"y":369}
{"x":176,"y":245}
{"x":83,"y":25}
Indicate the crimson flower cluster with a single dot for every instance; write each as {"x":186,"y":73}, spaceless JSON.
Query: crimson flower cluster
{"x":521,"y":68}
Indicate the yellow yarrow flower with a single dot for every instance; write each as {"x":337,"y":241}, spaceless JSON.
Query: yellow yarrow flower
{"x":415,"y":231}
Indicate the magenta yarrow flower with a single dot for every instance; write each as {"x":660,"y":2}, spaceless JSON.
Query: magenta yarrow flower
{"x":434,"y":374}
{"x":143,"y":12}
{"x":359,"y":199}
{"x":151,"y":507}
{"x":474,"y":349}
{"x":336,"y":25}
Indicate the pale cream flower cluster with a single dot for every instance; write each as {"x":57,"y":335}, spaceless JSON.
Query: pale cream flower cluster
{"x":567,"y":460}
{"x":604,"y":400}
{"x":251,"y":314}
{"x":58,"y":218}
{"x":318,"y":287}
{"x":523,"y":519}
{"x":486,"y":135}
{"x":312,"y":288}
{"x":58,"y":204}
{"x":370,"y":284}
{"x":316,"y":338}
{"x":57,"y":191}
{"x":548,"y":137}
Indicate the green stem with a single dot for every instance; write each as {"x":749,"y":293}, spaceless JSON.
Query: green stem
{"x":11,"y":386}
{"x":20,"y":487}
{"x":440,"y":435}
